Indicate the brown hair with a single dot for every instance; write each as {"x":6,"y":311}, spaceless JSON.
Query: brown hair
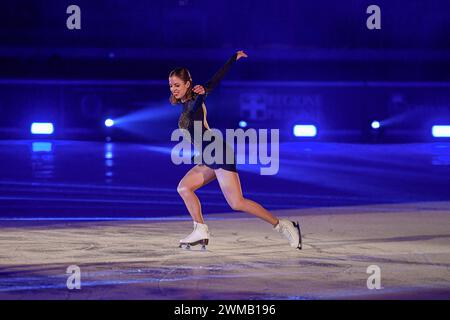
{"x":185,"y":76}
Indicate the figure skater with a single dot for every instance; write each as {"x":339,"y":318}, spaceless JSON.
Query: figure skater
{"x":193,"y":109}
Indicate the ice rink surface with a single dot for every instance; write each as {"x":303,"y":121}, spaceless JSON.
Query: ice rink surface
{"x":410,"y":243}
{"x":113,"y":211}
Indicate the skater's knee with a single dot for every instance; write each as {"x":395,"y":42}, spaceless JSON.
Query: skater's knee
{"x":237,"y":204}
{"x":183,"y":190}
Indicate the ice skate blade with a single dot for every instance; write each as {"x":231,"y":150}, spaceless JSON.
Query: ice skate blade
{"x":296,"y":224}
{"x":203,"y":242}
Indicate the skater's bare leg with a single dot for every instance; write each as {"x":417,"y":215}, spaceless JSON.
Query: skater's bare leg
{"x":231,"y":187}
{"x":195,"y":178}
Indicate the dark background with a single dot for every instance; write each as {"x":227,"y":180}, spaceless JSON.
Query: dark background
{"x":309,"y":62}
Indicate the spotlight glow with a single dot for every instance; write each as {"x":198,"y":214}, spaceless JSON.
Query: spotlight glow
{"x":109,"y":122}
{"x":305,"y":130}
{"x":375,"y":124}
{"x":242,"y":124}
{"x":441,"y":131}
{"x":42,"y":146}
{"x":42,"y":128}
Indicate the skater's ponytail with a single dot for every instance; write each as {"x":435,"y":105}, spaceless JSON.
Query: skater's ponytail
{"x":185,"y":76}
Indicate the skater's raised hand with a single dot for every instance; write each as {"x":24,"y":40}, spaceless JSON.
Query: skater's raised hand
{"x":199,"y":89}
{"x":241,"y":54}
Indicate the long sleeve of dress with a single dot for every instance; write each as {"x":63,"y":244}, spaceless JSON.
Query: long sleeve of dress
{"x":214,"y":81}
{"x":218,"y":76}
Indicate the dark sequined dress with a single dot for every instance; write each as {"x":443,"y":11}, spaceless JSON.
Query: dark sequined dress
{"x":193,"y":110}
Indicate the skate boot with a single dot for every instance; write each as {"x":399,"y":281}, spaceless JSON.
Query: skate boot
{"x":200,"y":235}
{"x":291,"y":231}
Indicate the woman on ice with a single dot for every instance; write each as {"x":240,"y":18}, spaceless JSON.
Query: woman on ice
{"x":192,"y":100}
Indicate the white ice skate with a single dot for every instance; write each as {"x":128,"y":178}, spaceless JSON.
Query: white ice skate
{"x":291,"y":231}
{"x":200,"y":235}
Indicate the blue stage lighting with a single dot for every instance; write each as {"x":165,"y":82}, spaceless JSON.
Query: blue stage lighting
{"x":109,"y":122}
{"x":42,"y":146}
{"x":441,"y":131}
{"x":42,"y":128}
{"x":375,"y":124}
{"x":305,"y":130}
{"x":242,"y":124}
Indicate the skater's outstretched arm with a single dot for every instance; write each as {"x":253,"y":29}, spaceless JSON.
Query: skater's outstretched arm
{"x":218,"y":76}
{"x":215,"y":80}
